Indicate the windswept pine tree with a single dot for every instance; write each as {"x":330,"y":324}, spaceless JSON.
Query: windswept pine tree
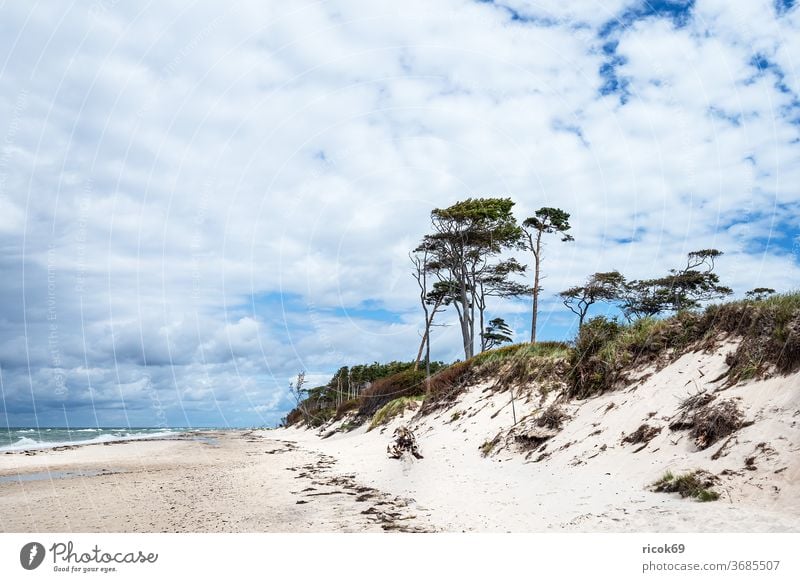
{"x":544,"y":221}
{"x":464,"y":254}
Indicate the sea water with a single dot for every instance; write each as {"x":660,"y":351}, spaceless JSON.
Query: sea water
{"x":27,"y":438}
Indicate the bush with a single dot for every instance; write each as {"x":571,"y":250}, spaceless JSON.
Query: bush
{"x":708,"y":422}
{"x":345,"y":407}
{"x":515,"y":364}
{"x":383,"y":391}
{"x":594,"y":358}
{"x":770,"y":331}
{"x":769,"y":328}
{"x":696,"y":485}
{"x":445,"y":386}
{"x":393,"y":409}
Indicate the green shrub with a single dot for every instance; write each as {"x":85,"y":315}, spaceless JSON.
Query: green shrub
{"x":696,"y":484}
{"x":383,"y":391}
{"x":393,"y":409}
{"x":769,"y":330}
{"x":514,"y":364}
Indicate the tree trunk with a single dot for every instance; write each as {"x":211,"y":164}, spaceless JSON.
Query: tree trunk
{"x":481,"y":309}
{"x":466,"y":322}
{"x":466,"y":337}
{"x":420,"y":350}
{"x":428,"y":320}
{"x":536,"y":256}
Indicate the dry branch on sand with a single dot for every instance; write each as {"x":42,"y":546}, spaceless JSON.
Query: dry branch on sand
{"x":644,"y":434}
{"x":707,"y":422}
{"x":403,"y":442}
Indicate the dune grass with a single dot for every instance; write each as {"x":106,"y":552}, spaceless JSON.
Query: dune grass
{"x":393,"y":409}
{"x":696,"y":485}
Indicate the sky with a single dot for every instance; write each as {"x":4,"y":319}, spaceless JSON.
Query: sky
{"x":198,"y":200}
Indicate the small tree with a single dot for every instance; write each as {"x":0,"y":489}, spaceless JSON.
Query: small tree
{"x":759,"y":293}
{"x":496,"y":282}
{"x":682,"y":289}
{"x":299,"y":393}
{"x":433,"y":298}
{"x":545,"y":221}
{"x":497,"y":333}
{"x":599,"y":287}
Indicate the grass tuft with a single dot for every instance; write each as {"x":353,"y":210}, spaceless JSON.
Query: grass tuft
{"x":394,"y":408}
{"x":697,"y":485}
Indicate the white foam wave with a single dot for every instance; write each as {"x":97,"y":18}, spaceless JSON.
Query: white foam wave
{"x":26,"y":444}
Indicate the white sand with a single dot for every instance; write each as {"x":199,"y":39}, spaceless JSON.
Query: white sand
{"x":246,"y":483}
{"x":292,"y":480}
{"x":582,"y":487}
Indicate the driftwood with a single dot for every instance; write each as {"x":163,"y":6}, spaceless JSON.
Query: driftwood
{"x":403,"y":441}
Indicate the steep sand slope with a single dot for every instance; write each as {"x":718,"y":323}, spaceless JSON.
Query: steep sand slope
{"x":586,"y":477}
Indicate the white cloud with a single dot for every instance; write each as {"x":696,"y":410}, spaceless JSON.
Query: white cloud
{"x":176,"y":169}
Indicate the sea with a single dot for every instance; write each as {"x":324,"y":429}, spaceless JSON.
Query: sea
{"x":27,"y":438}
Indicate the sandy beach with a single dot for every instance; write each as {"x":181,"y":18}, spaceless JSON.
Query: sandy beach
{"x":235,"y":481}
{"x":586,"y":477}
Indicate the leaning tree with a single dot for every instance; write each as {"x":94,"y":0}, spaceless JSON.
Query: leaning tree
{"x":544,"y":221}
{"x":464,"y":254}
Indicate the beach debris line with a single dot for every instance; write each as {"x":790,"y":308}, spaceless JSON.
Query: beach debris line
{"x":403,"y":442}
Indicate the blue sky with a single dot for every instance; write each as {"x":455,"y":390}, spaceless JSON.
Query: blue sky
{"x":197,"y":201}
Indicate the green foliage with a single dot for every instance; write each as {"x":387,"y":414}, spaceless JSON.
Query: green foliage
{"x":769,"y":330}
{"x":679,"y":290}
{"x":666,"y":478}
{"x":331,"y":401}
{"x":517,"y":363}
{"x":599,"y":287}
{"x":497,"y":333}
{"x":759,"y":293}
{"x":544,"y":221}
{"x":393,"y":409}
{"x":605,"y":348}
{"x":522,"y":351}
{"x":696,"y":485}
{"x":549,"y":221}
{"x":463,"y":253}
{"x":407,"y":383}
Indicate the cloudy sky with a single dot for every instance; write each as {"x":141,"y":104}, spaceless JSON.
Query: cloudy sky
{"x":197,"y":200}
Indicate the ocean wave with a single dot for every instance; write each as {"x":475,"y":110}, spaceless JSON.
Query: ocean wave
{"x":26,"y":444}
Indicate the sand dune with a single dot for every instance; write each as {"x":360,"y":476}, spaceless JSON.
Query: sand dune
{"x":588,"y":478}
{"x":477,"y":474}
